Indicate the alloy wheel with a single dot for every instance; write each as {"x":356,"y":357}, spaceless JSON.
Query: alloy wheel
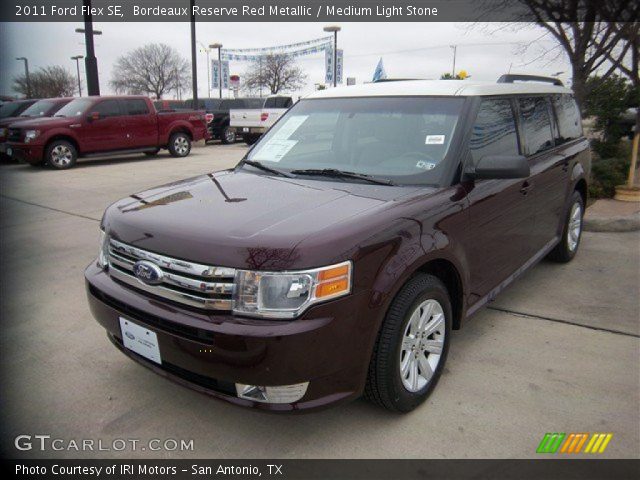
{"x":575,"y":227}
{"x":422,"y":345}
{"x":181,"y":145}
{"x":61,"y":156}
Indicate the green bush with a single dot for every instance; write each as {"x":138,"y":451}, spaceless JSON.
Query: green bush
{"x":606,"y":174}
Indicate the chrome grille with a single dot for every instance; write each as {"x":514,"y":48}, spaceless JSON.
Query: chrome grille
{"x":194,"y":284}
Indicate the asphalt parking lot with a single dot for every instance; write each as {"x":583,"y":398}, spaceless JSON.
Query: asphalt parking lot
{"x":557,"y":352}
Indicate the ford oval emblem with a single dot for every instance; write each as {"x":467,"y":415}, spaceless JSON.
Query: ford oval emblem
{"x":147,"y":272}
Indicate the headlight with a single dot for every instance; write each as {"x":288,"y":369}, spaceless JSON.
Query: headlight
{"x":103,"y":260}
{"x":288,"y":294}
{"x":30,"y":135}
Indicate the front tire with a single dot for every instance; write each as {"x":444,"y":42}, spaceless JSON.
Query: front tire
{"x":228,"y":136}
{"x":412,"y":346}
{"x":571,"y":232}
{"x":179,"y":145}
{"x":60,"y":155}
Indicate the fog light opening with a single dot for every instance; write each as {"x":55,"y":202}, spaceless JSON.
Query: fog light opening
{"x":281,"y":394}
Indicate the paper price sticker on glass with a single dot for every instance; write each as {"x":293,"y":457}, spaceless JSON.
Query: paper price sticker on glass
{"x":277,"y":145}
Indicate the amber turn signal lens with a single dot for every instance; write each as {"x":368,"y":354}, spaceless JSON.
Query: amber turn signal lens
{"x":332,"y":288}
{"x":335,"y":272}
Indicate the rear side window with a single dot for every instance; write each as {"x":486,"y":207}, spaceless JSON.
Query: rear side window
{"x":568,"y":117}
{"x":135,"y":107}
{"x":536,"y":124}
{"x":494,"y":132}
{"x":108,"y":108}
{"x":254,"y":102}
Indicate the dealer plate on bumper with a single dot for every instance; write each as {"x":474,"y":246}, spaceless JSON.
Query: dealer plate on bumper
{"x":140,"y":340}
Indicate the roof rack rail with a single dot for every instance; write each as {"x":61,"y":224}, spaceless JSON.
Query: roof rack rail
{"x":512,"y":77}
{"x":380,"y":80}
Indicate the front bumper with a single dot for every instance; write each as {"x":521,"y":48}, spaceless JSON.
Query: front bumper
{"x":24,"y":152}
{"x":329,"y":346}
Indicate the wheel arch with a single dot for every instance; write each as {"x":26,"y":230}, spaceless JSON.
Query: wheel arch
{"x":181,"y":129}
{"x":62,"y":136}
{"x":582,"y":189}
{"x":448,"y":274}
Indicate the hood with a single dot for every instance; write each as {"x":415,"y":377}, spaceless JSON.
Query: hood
{"x":46,"y":122}
{"x":241,"y":219}
{"x":5,"y":122}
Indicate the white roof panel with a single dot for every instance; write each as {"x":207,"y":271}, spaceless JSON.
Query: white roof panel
{"x":437,"y":88}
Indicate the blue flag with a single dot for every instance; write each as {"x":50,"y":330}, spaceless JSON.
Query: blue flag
{"x":379,"y":74}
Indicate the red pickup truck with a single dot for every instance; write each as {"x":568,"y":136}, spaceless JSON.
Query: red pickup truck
{"x":104,"y":125}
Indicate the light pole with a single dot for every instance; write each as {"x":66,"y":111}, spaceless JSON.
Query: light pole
{"x":77,"y":58}
{"x":335,"y":29}
{"x":213,"y":46}
{"x":90,"y":60}
{"x":26,"y":74}
{"x":207,"y":50}
{"x":194,"y":58}
{"x":455,"y":49}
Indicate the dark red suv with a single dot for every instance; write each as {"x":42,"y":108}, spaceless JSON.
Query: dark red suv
{"x":335,"y":259}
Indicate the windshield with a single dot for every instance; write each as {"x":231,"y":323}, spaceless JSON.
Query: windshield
{"x":403,"y":139}
{"x":38,"y":109}
{"x":9,"y":109}
{"x":75,"y":108}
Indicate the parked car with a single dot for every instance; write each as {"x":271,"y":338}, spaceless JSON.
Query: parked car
{"x":15,"y":108}
{"x":40,"y":109}
{"x":104,"y":125}
{"x":219,"y":109}
{"x":252,"y":123}
{"x":338,"y":255}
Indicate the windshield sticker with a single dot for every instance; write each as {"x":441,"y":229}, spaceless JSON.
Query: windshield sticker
{"x":425,"y":165}
{"x":289,"y":127}
{"x":274,"y":150}
{"x":434,"y":140}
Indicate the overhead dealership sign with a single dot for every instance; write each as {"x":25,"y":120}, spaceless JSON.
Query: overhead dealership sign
{"x":294,"y":50}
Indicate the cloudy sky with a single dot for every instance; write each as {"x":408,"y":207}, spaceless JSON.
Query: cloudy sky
{"x":408,"y":50}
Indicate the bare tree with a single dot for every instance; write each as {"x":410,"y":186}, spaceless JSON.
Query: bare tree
{"x":275,"y":73}
{"x":47,"y":82}
{"x":596,"y":36}
{"x":153,"y":69}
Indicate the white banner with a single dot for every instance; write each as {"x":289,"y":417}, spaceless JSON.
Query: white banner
{"x":328,"y":66}
{"x":217,"y":74}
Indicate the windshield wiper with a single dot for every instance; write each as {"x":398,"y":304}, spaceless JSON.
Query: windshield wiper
{"x":263,"y":167}
{"x":333,"y":172}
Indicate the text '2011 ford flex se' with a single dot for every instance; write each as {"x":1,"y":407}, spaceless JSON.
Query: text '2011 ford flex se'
{"x":335,"y":259}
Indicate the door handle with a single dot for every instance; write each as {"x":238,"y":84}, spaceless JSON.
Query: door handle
{"x":526,"y":186}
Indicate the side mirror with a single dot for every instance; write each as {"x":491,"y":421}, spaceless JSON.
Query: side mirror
{"x":501,"y":167}
{"x":93,"y":116}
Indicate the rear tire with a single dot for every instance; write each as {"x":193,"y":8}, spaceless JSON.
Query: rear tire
{"x":571,"y":232}
{"x":179,"y":145}
{"x":228,"y":136}
{"x":60,"y":155}
{"x":250,"y":139}
{"x":412,"y":346}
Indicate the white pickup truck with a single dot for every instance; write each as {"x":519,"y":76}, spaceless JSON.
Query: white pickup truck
{"x":252,"y":123}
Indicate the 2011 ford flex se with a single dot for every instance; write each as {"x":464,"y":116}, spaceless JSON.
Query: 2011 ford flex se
{"x":335,"y":259}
